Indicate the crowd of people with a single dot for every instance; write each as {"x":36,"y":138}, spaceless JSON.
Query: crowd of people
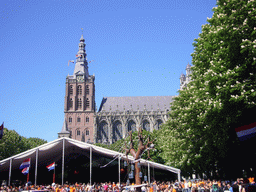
{"x":184,"y":186}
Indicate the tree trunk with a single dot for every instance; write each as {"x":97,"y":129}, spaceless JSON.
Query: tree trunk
{"x":137,"y":177}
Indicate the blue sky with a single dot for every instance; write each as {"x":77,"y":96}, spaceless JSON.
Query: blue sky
{"x":139,"y":48}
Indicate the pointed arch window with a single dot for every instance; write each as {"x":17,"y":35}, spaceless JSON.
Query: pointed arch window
{"x":70,"y":119}
{"x":87,"y":132}
{"x":79,"y":103}
{"x":78,"y":132}
{"x":79,"y":90}
{"x":70,"y":90}
{"x":87,"y":89}
{"x":87,"y":119}
{"x":117,"y":131}
{"x":131,"y":126}
{"x":146,"y":125}
{"x":78,"y":119}
{"x":87,"y":103}
{"x":159,"y":122}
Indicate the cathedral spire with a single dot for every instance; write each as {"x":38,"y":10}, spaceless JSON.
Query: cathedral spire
{"x":81,"y":67}
{"x":64,"y":131}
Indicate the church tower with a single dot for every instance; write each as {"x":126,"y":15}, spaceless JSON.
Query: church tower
{"x":79,"y":105}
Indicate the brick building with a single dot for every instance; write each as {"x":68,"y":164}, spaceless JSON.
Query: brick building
{"x":116,"y":115}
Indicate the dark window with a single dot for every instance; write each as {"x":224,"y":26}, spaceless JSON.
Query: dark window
{"x":71,"y":90}
{"x":78,"y":132}
{"x":70,"y":103}
{"x":79,"y":103}
{"x":70,"y":119}
{"x":78,"y":119}
{"x":87,"y":132}
{"x":87,"y":89}
{"x":87,"y":102}
{"x":79,"y":90}
{"x":87,"y":119}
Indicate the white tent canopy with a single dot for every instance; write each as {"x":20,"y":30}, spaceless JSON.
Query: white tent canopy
{"x":52,"y":151}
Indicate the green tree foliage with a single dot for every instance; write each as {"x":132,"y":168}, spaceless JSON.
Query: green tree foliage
{"x":200,"y":136}
{"x":12,"y":143}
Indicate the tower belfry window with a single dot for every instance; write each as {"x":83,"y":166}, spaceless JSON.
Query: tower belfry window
{"x":70,"y":103}
{"x":87,"y":119}
{"x":79,"y":103}
{"x":70,"y":90}
{"x":79,"y":90}
{"x":87,"y":89}
{"x":87,"y":102}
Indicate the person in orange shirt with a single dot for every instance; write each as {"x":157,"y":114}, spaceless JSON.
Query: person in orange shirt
{"x":151,"y":189}
{"x":57,"y":189}
{"x":72,"y":189}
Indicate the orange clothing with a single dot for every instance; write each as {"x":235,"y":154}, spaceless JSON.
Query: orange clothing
{"x":173,"y":190}
{"x":251,"y":179}
{"x":57,"y":189}
{"x":189,"y":184}
{"x":72,"y":189}
{"x":151,"y":189}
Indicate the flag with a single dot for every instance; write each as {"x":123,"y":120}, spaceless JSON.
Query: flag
{"x":78,"y":55}
{"x":91,"y":61}
{"x":51,"y":166}
{"x":25,"y":170}
{"x":25,"y":163}
{"x":246,"y":132}
{"x":1,"y":130}
{"x":70,"y":61}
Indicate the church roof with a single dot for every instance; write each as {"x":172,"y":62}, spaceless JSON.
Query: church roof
{"x":137,"y":103}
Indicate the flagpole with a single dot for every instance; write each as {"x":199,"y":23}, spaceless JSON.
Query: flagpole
{"x":119,"y":170}
{"x":28,"y":176}
{"x":10,"y":172}
{"x":148,"y":173}
{"x":63,"y":153}
{"x":90,"y":166}
{"x":54,"y":173}
{"x":36,"y":166}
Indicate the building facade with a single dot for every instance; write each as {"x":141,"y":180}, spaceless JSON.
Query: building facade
{"x":116,"y":115}
{"x":79,"y":105}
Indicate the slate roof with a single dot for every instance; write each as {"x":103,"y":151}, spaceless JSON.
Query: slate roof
{"x":136,"y":103}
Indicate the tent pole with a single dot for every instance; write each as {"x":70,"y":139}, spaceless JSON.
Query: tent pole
{"x":119,"y":180}
{"x":148,"y":173}
{"x":10,"y":172}
{"x":63,"y":155}
{"x":179,"y":176}
{"x":90,"y":166}
{"x":36,"y":166}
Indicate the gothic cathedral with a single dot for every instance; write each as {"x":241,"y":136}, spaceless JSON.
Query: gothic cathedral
{"x":116,"y":116}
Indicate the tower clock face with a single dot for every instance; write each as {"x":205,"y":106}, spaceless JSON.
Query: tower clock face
{"x":80,"y":78}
